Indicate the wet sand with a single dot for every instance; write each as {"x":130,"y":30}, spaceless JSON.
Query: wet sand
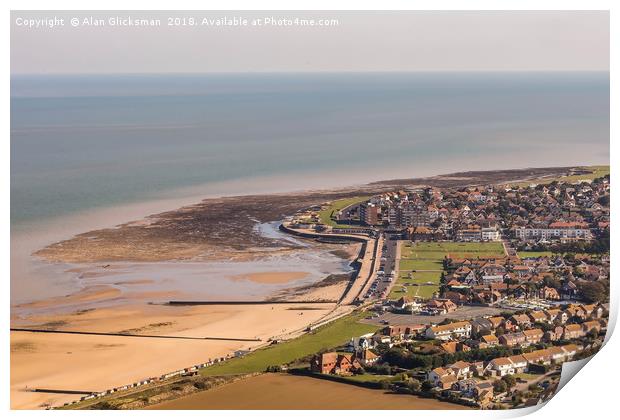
{"x":272,"y":277}
{"x":288,"y":392}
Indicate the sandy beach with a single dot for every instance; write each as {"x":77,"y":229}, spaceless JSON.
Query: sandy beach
{"x":92,"y":363}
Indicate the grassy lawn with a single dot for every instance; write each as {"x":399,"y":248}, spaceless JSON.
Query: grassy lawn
{"x":526,"y":376}
{"x":334,"y":207}
{"x":424,"y":292}
{"x":535,"y":254}
{"x":328,"y":336}
{"x":597,"y":172}
{"x":437,"y":250}
{"x":409,"y":265}
{"x":429,"y":256}
{"x":367,"y":377}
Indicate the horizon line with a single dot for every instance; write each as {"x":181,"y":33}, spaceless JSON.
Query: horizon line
{"x":305,"y":72}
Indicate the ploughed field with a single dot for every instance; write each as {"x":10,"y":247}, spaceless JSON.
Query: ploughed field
{"x":289,"y":392}
{"x":421,"y":264}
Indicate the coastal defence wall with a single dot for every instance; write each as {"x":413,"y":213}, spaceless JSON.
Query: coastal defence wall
{"x":342,"y":237}
{"x":361,"y":256}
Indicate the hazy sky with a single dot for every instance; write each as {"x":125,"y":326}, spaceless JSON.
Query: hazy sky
{"x":360,"y":41}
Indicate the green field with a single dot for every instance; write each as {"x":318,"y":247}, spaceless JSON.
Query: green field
{"x":597,"y":172}
{"x":526,"y":254}
{"x":408,"y":265}
{"x":334,"y":207}
{"x":437,"y":250}
{"x":429,"y":256}
{"x":368,"y":377}
{"x":328,"y":336}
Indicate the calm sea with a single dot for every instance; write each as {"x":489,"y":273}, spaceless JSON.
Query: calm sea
{"x":80,"y":143}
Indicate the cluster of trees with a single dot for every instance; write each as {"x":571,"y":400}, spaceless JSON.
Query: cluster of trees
{"x":398,"y":356}
{"x":599,"y":245}
{"x":505,"y":384}
{"x":593,"y":291}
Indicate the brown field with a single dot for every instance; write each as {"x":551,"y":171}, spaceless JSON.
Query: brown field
{"x":288,"y":392}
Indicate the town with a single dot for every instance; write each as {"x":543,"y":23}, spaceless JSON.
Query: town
{"x":479,"y":294}
{"x":473,"y":296}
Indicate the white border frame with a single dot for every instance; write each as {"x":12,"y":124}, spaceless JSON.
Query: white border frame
{"x":590,"y":394}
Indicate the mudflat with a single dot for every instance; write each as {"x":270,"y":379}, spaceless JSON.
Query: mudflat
{"x":289,"y":392}
{"x":207,"y":230}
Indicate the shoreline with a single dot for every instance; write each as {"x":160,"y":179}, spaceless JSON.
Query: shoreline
{"x":35,"y":360}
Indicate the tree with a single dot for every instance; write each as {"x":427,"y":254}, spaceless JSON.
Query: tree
{"x":414,"y":385}
{"x":385,"y":384}
{"x":500,"y":386}
{"x":551,"y":281}
{"x":592,"y":291}
{"x":510,"y":381}
{"x":427,"y":386}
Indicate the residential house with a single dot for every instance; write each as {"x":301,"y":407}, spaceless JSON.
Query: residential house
{"x":489,"y":340}
{"x":572,"y":331}
{"x":503,"y":366}
{"x":460,"y":329}
{"x":334,"y":363}
{"x":522,"y":321}
{"x":367,"y":358}
{"x":533,"y":336}
{"x":537,"y":317}
{"x":442,"y":377}
{"x":514,"y":339}
{"x":481,"y":326}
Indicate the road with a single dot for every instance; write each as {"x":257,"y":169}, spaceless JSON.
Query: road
{"x":387,"y":269}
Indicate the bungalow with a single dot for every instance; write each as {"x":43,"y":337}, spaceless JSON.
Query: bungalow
{"x":460,"y":329}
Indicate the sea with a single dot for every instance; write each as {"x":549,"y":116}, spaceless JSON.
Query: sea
{"x":87,"y":145}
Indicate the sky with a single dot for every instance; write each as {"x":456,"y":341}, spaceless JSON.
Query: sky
{"x":359,"y":41}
